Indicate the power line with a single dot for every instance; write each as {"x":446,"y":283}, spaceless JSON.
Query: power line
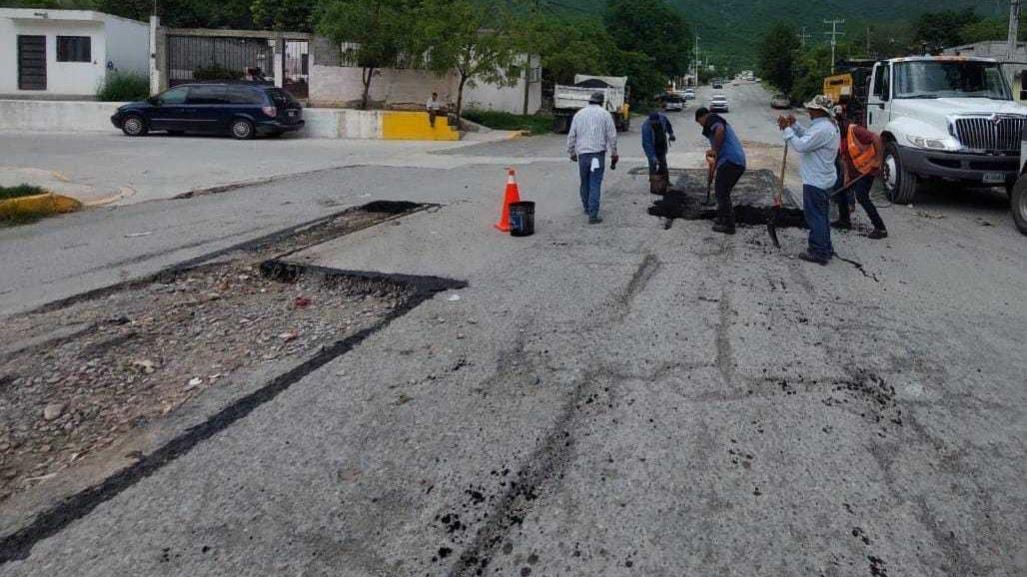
{"x":804,"y":36}
{"x":834,"y":34}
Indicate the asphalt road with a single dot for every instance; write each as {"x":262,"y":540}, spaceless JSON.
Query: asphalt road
{"x":620,"y":399}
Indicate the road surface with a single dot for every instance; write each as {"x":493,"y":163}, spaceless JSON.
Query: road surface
{"x":620,"y":399}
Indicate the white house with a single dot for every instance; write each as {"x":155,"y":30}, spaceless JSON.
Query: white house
{"x":67,"y":53}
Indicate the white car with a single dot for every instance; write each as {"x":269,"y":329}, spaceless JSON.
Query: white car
{"x":688,"y":94}
{"x":718,"y":103}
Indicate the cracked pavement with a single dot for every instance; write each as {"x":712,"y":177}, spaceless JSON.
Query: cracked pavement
{"x":616,"y":400}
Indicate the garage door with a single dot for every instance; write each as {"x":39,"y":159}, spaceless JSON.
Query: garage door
{"x":32,"y":62}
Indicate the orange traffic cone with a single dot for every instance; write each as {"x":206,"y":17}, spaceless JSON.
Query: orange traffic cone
{"x":512,"y":195}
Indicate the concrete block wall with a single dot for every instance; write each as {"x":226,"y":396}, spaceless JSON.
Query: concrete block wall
{"x":84,"y":116}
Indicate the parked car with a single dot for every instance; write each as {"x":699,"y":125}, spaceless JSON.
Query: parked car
{"x":718,"y":85}
{"x":688,"y":94}
{"x":718,"y":103}
{"x":241,"y":109}
{"x":672,"y":102}
{"x":781,"y":101}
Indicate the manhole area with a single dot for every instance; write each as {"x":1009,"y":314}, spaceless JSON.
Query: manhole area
{"x":753,"y":199}
{"x":79,"y":379}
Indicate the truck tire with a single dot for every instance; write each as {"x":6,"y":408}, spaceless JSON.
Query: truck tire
{"x":1018,"y":202}
{"x":899,"y":183}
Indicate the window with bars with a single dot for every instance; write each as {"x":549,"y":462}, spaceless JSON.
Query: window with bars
{"x":74,"y":49}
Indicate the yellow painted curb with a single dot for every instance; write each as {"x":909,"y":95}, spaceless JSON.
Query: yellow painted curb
{"x":398,"y":125}
{"x":38,"y":205}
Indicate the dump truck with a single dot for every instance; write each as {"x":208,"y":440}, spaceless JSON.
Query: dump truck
{"x":848,"y":87}
{"x":568,"y":99}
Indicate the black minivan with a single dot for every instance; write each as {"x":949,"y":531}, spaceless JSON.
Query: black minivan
{"x":242,"y":109}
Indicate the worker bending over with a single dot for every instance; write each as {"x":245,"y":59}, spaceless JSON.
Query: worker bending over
{"x":862,"y":154}
{"x":728,"y":158}
{"x":656,"y":132}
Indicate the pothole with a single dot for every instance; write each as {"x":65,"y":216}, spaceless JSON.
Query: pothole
{"x":752,"y":198}
{"x":93,"y":374}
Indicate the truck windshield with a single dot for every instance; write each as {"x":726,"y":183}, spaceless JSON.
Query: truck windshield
{"x":950,"y":79}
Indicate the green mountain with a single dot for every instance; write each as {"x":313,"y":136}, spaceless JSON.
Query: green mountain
{"x":730,"y":29}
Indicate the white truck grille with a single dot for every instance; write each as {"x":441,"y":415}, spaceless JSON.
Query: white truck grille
{"x":990,"y":133}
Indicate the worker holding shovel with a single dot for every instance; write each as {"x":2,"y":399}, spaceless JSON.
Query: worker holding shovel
{"x":728,"y":160}
{"x":862,"y":154}
{"x":817,"y":146}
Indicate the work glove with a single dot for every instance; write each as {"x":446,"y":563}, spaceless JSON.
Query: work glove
{"x":673,"y":138}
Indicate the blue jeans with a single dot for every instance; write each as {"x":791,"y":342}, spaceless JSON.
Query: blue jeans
{"x":815,"y":208}
{"x":591,"y":181}
{"x":861,"y":191}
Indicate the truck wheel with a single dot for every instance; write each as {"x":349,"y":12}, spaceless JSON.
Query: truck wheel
{"x":1018,"y":202}
{"x":899,"y":183}
{"x":559,"y":124}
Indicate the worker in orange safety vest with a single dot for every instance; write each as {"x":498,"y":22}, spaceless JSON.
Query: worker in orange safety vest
{"x":861,"y":154}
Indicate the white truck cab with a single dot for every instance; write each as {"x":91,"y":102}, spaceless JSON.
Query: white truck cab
{"x":946,"y":117}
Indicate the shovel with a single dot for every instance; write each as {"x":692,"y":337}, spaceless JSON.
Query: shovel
{"x":775,"y":211}
{"x":709,"y":180}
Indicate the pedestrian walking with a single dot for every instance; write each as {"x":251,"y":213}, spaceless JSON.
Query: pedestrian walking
{"x":862,"y":153}
{"x":433,"y":106}
{"x":728,"y":158}
{"x":591,"y":136}
{"x":656,"y":132}
{"x":817,"y":146}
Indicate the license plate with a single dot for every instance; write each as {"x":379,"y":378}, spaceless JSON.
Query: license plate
{"x":292,"y":113}
{"x":994,"y":178}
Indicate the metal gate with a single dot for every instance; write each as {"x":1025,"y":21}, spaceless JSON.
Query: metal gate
{"x":217,"y":58}
{"x":296,"y":68}
{"x":31,"y":62}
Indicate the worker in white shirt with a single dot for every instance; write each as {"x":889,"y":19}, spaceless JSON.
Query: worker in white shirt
{"x":817,"y":146}
{"x":592,"y":134}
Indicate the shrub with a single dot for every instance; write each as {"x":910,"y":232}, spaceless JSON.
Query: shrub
{"x":532,"y":123}
{"x":20,"y":190}
{"x":215,"y":72}
{"x":123,"y":87}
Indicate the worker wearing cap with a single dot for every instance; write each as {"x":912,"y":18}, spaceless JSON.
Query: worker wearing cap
{"x":592,"y":134}
{"x":656,"y":132}
{"x":817,"y":146}
{"x":862,"y":154}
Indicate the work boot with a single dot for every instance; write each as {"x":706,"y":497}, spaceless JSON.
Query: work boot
{"x":724,"y":228}
{"x":806,"y":256}
{"x":595,"y":219}
{"x":841,"y":224}
{"x":877,"y":234}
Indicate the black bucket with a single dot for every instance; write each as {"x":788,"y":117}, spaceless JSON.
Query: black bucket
{"x":522,"y":218}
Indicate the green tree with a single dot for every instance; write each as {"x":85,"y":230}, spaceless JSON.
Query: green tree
{"x":291,"y":15}
{"x":941,"y":29}
{"x":653,"y":28}
{"x":810,"y":67}
{"x":379,"y":30}
{"x":475,"y":41}
{"x":777,"y":52}
{"x":567,"y":46}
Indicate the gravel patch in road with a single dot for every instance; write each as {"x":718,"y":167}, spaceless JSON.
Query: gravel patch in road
{"x":78,"y":379}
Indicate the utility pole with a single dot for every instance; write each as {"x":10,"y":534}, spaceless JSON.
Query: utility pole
{"x":868,"y":42}
{"x":695,"y":59}
{"x":804,"y":36}
{"x":834,"y":34}
{"x":1014,"y":28}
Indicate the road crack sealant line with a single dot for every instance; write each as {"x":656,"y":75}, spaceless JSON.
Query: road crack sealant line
{"x":18,"y":545}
